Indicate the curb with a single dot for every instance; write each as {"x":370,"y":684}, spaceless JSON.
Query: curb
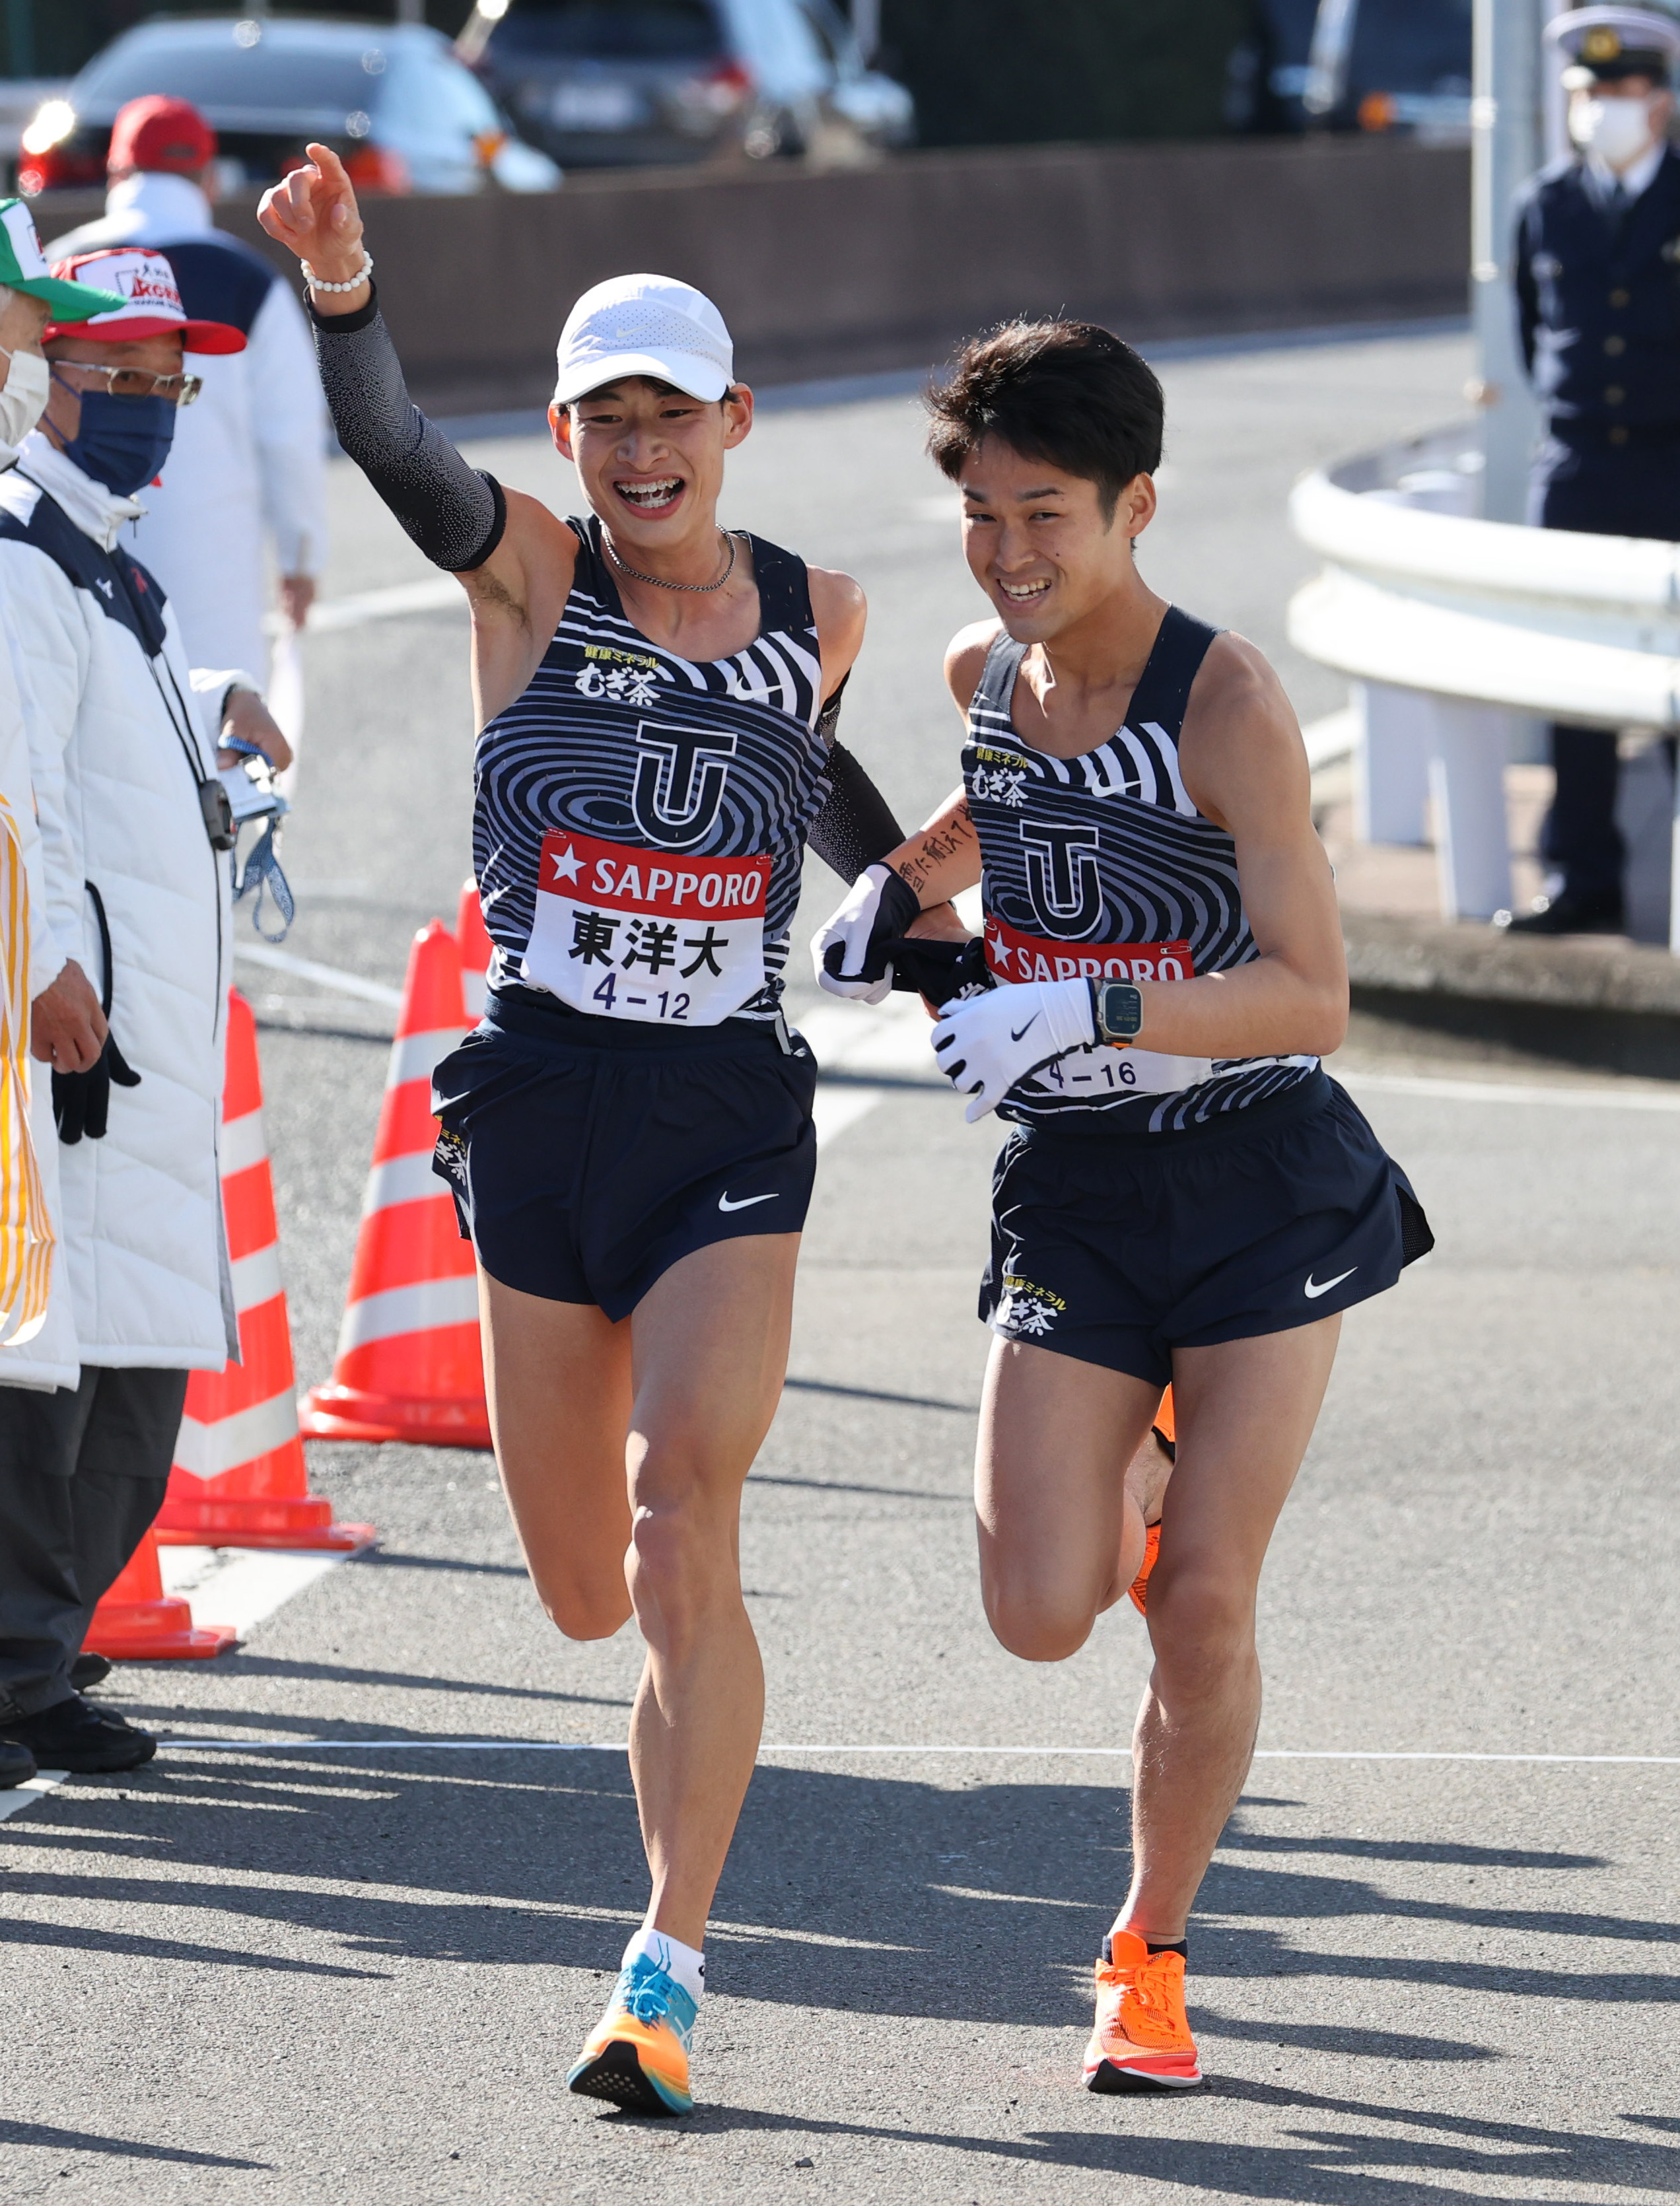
{"x":1623,"y":997}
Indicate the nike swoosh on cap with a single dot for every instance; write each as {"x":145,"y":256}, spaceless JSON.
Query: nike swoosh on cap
{"x":1314,"y":1288}
{"x":746,"y":1201}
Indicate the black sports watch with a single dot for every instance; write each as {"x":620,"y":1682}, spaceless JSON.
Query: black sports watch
{"x":1118,"y":1009}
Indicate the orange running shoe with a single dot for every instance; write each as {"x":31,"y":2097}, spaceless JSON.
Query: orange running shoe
{"x":1141,"y":2040}
{"x":637,"y":2054}
{"x":1140,"y":1586}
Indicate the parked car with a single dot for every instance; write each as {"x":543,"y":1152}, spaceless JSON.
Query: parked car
{"x":393,"y":100}
{"x":1392,"y":65}
{"x":616,"y":82}
{"x":1267,"y":74}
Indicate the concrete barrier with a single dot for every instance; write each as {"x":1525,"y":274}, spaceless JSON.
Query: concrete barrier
{"x":846,"y":272}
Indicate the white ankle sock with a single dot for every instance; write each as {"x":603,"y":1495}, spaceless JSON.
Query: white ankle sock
{"x":683,"y":1964}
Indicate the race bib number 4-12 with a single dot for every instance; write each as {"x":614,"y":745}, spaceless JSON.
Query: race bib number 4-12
{"x":625,"y":934}
{"x":1101,"y":1071}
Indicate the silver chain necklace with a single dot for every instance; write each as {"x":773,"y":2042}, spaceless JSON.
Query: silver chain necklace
{"x":699,"y":589}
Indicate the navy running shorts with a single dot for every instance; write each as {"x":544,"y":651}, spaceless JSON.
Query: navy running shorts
{"x":1117,"y":1247}
{"x":588,"y":1155}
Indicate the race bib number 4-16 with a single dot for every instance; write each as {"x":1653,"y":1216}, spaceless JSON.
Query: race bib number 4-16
{"x":1102,"y":1070}
{"x":625,"y":934}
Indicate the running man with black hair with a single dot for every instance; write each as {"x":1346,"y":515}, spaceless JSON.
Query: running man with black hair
{"x":629,"y":1133}
{"x":1186,"y":1196}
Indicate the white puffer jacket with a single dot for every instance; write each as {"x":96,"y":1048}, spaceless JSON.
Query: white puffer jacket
{"x":118,"y":741}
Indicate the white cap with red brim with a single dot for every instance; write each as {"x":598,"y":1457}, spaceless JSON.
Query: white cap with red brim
{"x":151,"y":297}
{"x":647,"y":326}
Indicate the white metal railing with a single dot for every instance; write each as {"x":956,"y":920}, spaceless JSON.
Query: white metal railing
{"x":1458,"y":632}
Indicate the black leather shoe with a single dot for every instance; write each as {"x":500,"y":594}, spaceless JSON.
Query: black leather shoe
{"x":17,"y":1765}
{"x":1568,"y":914}
{"x":74,"y":1735}
{"x":88,"y":1670}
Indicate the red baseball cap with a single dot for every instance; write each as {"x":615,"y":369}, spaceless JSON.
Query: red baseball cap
{"x":151,"y":297}
{"x":159,"y":133}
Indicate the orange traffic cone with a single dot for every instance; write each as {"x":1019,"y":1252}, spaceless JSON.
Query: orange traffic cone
{"x":138,"y":1622}
{"x":476,"y":947}
{"x":409,"y":1366}
{"x":239,"y":1478}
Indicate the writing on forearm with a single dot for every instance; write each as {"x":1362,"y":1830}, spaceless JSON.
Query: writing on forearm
{"x":946,"y":839}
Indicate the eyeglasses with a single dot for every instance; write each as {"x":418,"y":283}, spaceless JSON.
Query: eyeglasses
{"x":136,"y":382}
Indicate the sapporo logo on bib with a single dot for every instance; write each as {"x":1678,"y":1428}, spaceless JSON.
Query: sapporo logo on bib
{"x":1100,"y":1070}
{"x":629,"y":933}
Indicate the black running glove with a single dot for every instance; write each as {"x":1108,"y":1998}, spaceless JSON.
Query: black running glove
{"x":943,"y":972}
{"x":81,"y":1101}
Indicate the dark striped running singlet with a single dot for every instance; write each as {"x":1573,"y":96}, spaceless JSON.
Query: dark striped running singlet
{"x":1101,"y":865}
{"x":640,"y":818}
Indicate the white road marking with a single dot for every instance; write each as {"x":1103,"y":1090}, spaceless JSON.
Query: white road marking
{"x":430,"y":594}
{"x":837,"y":1108}
{"x":324,"y":976}
{"x":1498,"y":1091}
{"x":1037,"y":1753}
{"x":241,"y":1586}
{"x":30,"y":1795}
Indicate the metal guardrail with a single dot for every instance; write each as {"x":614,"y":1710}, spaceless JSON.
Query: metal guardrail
{"x":1570,"y":627}
{"x":1458,"y":632}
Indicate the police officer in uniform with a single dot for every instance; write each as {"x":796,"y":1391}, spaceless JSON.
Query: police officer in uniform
{"x":1598,"y":285}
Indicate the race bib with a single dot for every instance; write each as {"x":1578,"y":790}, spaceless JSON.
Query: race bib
{"x":1100,"y":1069}
{"x":625,"y":934}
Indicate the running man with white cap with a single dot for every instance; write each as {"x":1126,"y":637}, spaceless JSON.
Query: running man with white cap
{"x":629,"y":1133}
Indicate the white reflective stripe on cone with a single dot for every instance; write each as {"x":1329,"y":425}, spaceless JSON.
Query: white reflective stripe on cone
{"x":242,"y":1143}
{"x":408,"y":1310}
{"x":413,"y":1055}
{"x":208,"y":1451}
{"x":401,"y":1179}
{"x":256,"y":1278}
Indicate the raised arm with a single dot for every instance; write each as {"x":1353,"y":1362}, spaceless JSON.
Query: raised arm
{"x":513,"y":558}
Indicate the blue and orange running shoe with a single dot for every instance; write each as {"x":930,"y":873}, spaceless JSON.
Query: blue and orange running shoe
{"x":637,"y":2054}
{"x":1141,"y":2040}
{"x":1138,"y":1588}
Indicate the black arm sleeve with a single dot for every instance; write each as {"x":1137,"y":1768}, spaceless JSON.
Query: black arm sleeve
{"x":454,"y":513}
{"x":856,"y":827}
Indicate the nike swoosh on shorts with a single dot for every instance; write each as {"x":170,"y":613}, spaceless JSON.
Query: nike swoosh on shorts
{"x":1314,"y":1289}
{"x":747,"y":1201}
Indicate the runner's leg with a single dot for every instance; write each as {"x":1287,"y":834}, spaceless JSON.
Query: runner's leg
{"x":624,"y":1449}
{"x":558,"y":1379}
{"x":711,"y":1352}
{"x":1062,"y":1533}
{"x":1246,"y":1413}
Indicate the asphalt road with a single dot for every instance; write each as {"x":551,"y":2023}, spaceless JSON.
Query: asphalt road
{"x":356,"y":1973}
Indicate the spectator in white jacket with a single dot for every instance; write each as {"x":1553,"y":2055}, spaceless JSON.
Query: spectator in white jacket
{"x":123,"y":738}
{"x":65,"y":1022}
{"x":248,"y":469}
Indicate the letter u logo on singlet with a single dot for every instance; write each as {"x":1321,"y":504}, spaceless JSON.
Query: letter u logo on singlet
{"x":1062,"y":877}
{"x":680,"y":777}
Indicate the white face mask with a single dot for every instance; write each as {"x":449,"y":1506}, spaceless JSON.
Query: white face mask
{"x":1618,"y":130}
{"x":23,"y":397}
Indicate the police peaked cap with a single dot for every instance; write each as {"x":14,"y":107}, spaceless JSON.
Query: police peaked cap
{"x":1606,"y":43}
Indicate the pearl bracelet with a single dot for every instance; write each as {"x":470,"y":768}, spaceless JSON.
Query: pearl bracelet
{"x":355,"y":283}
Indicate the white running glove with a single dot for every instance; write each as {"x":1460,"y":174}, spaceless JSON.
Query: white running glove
{"x":986,"y":1044}
{"x":877,"y":908}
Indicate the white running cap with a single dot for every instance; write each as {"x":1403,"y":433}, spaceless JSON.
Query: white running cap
{"x":647,"y":325}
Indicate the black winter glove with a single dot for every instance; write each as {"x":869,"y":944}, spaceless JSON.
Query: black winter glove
{"x":940,"y":971}
{"x":81,"y":1101}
